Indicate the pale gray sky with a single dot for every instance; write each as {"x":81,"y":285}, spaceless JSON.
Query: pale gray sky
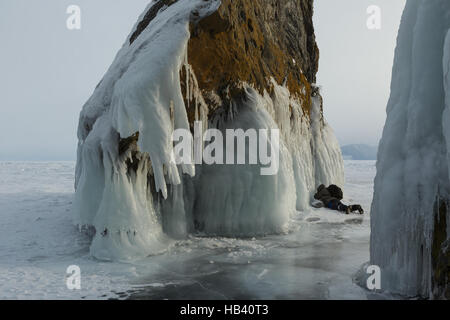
{"x":355,"y":65}
{"x":48,"y":72}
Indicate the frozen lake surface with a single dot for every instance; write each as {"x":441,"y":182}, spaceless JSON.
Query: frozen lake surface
{"x":317,"y":259}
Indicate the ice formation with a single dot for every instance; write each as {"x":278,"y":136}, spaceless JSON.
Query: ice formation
{"x":412,"y":179}
{"x":138,"y":200}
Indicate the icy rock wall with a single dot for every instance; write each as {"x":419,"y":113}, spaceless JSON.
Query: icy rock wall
{"x":128,"y":188}
{"x":412,"y":182}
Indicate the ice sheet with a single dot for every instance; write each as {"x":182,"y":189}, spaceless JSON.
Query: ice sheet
{"x":316,"y":259}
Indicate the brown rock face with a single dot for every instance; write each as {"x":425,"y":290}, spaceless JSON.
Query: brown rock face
{"x":244,"y":41}
{"x":250,"y":41}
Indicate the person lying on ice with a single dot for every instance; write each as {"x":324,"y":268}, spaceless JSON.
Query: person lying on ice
{"x":331,"y":198}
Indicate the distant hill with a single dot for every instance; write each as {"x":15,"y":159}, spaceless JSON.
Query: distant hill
{"x":359,"y":152}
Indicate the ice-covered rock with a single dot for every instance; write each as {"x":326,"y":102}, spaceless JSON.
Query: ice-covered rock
{"x":231,"y":64}
{"x":410,"y":216}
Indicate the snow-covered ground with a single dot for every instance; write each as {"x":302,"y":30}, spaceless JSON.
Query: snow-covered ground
{"x":315,"y":260}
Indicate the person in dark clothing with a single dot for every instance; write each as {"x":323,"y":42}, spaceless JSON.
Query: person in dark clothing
{"x":331,"y":198}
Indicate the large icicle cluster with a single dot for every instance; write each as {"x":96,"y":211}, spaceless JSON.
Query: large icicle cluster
{"x":137,"y":199}
{"x":412,"y":183}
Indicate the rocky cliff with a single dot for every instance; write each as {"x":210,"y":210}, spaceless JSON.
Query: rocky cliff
{"x":230,"y":64}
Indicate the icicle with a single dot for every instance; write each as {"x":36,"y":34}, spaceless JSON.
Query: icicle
{"x":188,"y":72}
{"x":172,"y":114}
